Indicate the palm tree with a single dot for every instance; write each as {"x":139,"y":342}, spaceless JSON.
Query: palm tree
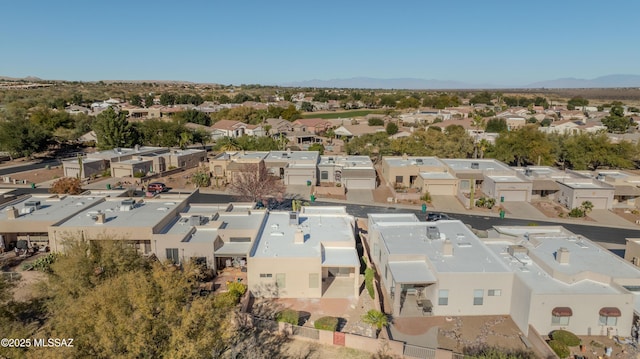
{"x":185,"y":139}
{"x":477,"y":122}
{"x":376,"y":319}
{"x":228,"y":144}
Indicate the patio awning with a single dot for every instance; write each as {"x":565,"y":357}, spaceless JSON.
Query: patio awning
{"x":233,"y":249}
{"x":411,"y":272}
{"x":610,"y":312}
{"x":626,"y":191}
{"x":545,"y":185}
{"x":340,"y":257}
{"x":562,"y":312}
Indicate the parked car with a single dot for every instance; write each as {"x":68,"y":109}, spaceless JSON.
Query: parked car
{"x":156,"y":187}
{"x":435,"y":216}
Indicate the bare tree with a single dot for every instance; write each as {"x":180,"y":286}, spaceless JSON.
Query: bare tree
{"x":253,"y":182}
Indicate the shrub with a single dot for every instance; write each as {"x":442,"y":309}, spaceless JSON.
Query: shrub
{"x":490,"y":352}
{"x":480,"y":202}
{"x":237,"y":289}
{"x":426,"y":197}
{"x":106,"y":173}
{"x":559,"y":348}
{"x":566,"y":337}
{"x":577,"y":213}
{"x":369,"y":273}
{"x":66,"y":185}
{"x":326,"y":323}
{"x":288,"y":316}
{"x":138,"y":174}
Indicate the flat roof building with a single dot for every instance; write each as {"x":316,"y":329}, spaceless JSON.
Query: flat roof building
{"x":544,"y":277}
{"x":310,"y":254}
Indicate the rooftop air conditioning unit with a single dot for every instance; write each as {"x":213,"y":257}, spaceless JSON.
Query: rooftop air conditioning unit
{"x":32,"y":204}
{"x":475,"y":165}
{"x":127,"y":205}
{"x":195,"y":221}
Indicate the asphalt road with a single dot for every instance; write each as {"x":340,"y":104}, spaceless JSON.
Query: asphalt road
{"x":595,"y":233}
{"x":28,"y":167}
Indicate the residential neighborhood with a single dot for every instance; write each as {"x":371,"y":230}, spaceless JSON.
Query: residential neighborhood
{"x":425,"y":217}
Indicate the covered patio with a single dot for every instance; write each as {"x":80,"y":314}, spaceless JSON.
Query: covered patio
{"x":412,"y":288}
{"x":232,"y":255}
{"x":340,"y":273}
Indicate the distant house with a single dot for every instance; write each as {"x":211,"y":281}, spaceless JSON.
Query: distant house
{"x":350,"y":131}
{"x":279,"y":126}
{"x":228,"y":128}
{"x":313,"y":125}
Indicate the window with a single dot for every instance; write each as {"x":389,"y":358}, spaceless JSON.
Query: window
{"x":324,"y":175}
{"x":172,"y":255}
{"x":556,"y":320}
{"x":610,"y":321}
{"x":443,"y":297}
{"x":399,"y":179}
{"x":266,"y":275}
{"x":494,"y":292}
{"x":314,"y":278}
{"x":478,"y":296}
{"x":281,"y":280}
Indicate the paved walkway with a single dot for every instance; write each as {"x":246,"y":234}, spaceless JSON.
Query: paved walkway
{"x":360,"y":196}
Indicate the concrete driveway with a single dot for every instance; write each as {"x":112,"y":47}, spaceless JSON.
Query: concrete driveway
{"x":608,"y":218}
{"x":523,"y":210}
{"x":446,"y":204}
{"x":360,"y":196}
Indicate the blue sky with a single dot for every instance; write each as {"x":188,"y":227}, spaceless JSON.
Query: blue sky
{"x":270,"y":42}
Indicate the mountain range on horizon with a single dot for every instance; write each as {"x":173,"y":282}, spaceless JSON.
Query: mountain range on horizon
{"x":608,"y":81}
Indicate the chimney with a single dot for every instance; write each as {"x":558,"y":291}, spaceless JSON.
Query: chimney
{"x":12,"y":213}
{"x":298,"y":237}
{"x":562,"y":255}
{"x":101,"y":218}
{"x":447,"y":248}
{"x":404,"y":156}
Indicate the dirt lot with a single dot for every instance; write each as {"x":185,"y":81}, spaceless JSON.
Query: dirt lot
{"x":40,"y":175}
{"x":554,"y":210}
{"x":455,"y":333}
{"x":630,"y":215}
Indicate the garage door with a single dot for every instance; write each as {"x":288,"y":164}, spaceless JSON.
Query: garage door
{"x":441,"y":189}
{"x":513,"y":196}
{"x":359,"y":183}
{"x":120,"y":172}
{"x":71,"y":172}
{"x":297,"y":179}
{"x":598,"y":202}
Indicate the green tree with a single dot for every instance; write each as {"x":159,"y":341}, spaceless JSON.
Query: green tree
{"x":135,"y":100}
{"x":375,"y":121}
{"x":113,"y":130}
{"x":524,"y":146}
{"x":307,"y":107}
{"x":167,"y":99}
{"x":148,"y":100}
{"x":496,"y":125}
{"x":317,"y":147}
{"x":577,"y":101}
{"x":616,"y":122}
{"x":391,"y":128}
{"x":20,"y":138}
